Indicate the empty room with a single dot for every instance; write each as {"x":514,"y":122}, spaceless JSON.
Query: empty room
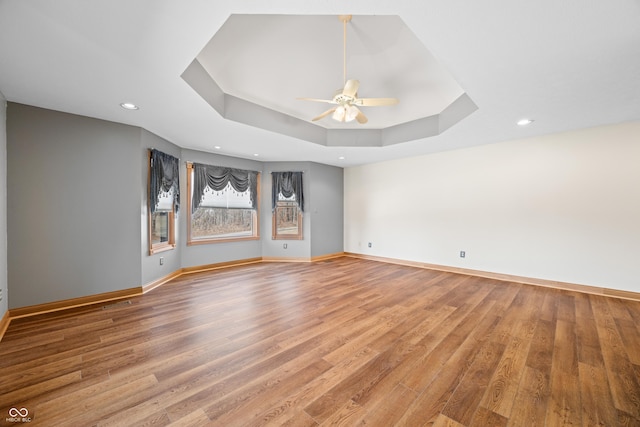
{"x":291,"y":213}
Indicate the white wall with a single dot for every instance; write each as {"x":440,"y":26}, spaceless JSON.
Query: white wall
{"x":3,"y":207}
{"x":562,"y":207}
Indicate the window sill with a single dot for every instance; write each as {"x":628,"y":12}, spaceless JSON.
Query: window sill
{"x":161,"y":248}
{"x":221,"y":240}
{"x":281,"y":237}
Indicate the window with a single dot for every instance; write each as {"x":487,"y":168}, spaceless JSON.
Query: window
{"x":287,"y":219}
{"x":287,"y":205}
{"x":223,"y":204}
{"x":164,"y":199}
{"x":162,"y":220}
{"x":161,"y":232}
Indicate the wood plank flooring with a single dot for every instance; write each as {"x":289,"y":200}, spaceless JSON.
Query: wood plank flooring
{"x":338,"y":342}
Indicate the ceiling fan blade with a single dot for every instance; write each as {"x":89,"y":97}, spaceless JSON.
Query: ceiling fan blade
{"x":327,"y":101}
{"x":325,"y":114}
{"x":361,"y":118}
{"x":375,"y":102}
{"x":351,"y":88}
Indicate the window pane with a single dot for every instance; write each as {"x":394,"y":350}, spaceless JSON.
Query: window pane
{"x":287,"y":199}
{"x":159,"y":227}
{"x":227,"y":198}
{"x":221,"y":222}
{"x":287,"y":219}
{"x":165,"y":201}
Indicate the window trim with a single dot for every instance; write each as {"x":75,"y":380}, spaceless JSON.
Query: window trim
{"x":210,"y":240}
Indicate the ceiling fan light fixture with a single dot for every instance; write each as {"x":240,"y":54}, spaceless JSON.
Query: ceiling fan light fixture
{"x":351,"y":113}
{"x":345,"y":113}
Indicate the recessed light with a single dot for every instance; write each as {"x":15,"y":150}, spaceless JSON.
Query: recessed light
{"x":341,"y":158}
{"x":256,"y":155}
{"x":129,"y":106}
{"x":524,"y":122}
{"x":217,"y":147}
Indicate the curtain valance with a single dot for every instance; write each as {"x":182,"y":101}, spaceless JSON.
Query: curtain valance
{"x":287,"y":184}
{"x":218,"y":177}
{"x":165,"y":177}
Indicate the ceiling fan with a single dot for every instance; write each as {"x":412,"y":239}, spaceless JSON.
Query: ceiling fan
{"x":346,"y":99}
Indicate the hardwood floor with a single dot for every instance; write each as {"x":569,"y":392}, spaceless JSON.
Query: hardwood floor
{"x":338,"y":342}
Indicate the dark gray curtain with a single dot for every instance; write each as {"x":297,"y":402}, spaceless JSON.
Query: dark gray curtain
{"x":287,"y":183}
{"x":217,"y":178}
{"x":164,"y":177}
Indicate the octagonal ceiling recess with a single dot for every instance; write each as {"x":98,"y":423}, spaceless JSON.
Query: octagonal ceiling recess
{"x":256,"y":67}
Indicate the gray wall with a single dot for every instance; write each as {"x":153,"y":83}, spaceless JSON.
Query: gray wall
{"x":323,"y":212}
{"x":78,"y":214}
{"x":151,"y":268}
{"x":326,"y":209}
{"x":4,"y":294}
{"x":295,"y":248}
{"x":73,"y":206}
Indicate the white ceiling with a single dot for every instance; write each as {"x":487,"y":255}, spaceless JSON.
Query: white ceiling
{"x":567,"y":64}
{"x":302,"y":56}
{"x":382,"y":53}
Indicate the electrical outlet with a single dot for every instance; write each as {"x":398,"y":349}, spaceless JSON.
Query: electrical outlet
{"x":284,"y":245}
{"x":161,"y":260}
{"x":463,"y":254}
{"x":369,"y":244}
